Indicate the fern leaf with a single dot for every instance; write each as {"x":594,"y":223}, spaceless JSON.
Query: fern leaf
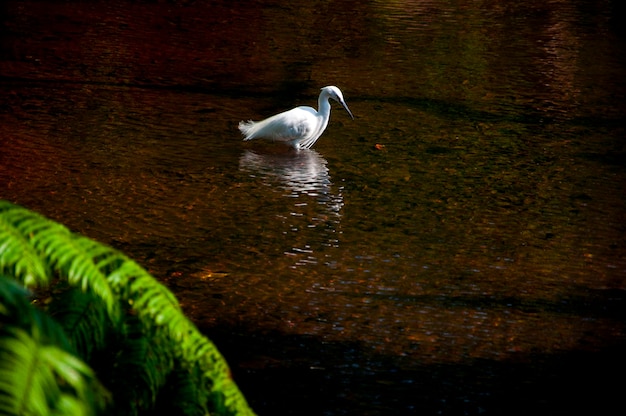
{"x":141,"y":368}
{"x":38,"y":372}
{"x":183,"y":394}
{"x":34,"y":371}
{"x":63,"y":251}
{"x":18,"y":364}
{"x":83,"y":318}
{"x":141,"y":281}
{"x":71,"y":261}
{"x":17,"y":309}
{"x":120,"y":283}
{"x":31,"y":238}
{"x":17,"y":257}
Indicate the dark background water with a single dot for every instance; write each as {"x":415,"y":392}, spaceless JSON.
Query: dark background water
{"x":459,"y":248}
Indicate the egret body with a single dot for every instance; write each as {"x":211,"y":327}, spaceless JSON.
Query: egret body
{"x":299,"y":127}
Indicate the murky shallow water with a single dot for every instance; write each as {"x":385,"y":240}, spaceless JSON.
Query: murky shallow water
{"x":473,"y":261}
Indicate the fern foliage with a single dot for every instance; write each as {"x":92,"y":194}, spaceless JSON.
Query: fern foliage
{"x":39,"y":372}
{"x":105,"y":310}
{"x":83,"y":318}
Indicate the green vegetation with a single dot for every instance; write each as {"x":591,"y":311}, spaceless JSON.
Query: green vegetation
{"x":97,"y":313}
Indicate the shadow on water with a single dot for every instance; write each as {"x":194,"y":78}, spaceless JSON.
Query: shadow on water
{"x":342,"y":378}
{"x":314,"y":376}
{"x":523,"y":114}
{"x":325,"y":381}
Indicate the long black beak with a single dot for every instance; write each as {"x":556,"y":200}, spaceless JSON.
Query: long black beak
{"x":344,"y":105}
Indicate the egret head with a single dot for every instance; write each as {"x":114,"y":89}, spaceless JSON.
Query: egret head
{"x":335,"y":93}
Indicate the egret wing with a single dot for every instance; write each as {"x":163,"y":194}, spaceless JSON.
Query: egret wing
{"x":290,"y":125}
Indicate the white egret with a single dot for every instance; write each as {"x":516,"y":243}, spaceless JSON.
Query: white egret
{"x":299,"y":127}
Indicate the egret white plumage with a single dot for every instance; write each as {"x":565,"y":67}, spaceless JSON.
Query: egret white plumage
{"x":299,"y":127}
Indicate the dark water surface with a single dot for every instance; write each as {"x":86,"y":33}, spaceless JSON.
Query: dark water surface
{"x":459,"y":248}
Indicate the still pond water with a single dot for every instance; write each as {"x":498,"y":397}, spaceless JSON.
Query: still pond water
{"x":458,"y":248}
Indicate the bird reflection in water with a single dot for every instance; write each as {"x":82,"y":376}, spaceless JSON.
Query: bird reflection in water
{"x":314,"y":211}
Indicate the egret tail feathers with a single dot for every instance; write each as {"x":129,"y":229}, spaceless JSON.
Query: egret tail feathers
{"x":247,"y":129}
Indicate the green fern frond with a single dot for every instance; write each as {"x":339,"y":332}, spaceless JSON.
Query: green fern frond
{"x":140,"y":287}
{"x":16,"y":309}
{"x":156,"y":305}
{"x":55,"y":246}
{"x":40,"y":379}
{"x":75,"y":378}
{"x":38,"y":368}
{"x":65,"y":253}
{"x":17,"y":256}
{"x":19,"y":368}
{"x":183,"y":395}
{"x":120,"y":284}
{"x":141,"y":367}
{"x":83,"y":318}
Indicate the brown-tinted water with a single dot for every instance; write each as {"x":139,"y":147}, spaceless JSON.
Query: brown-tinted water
{"x":459,"y":248}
